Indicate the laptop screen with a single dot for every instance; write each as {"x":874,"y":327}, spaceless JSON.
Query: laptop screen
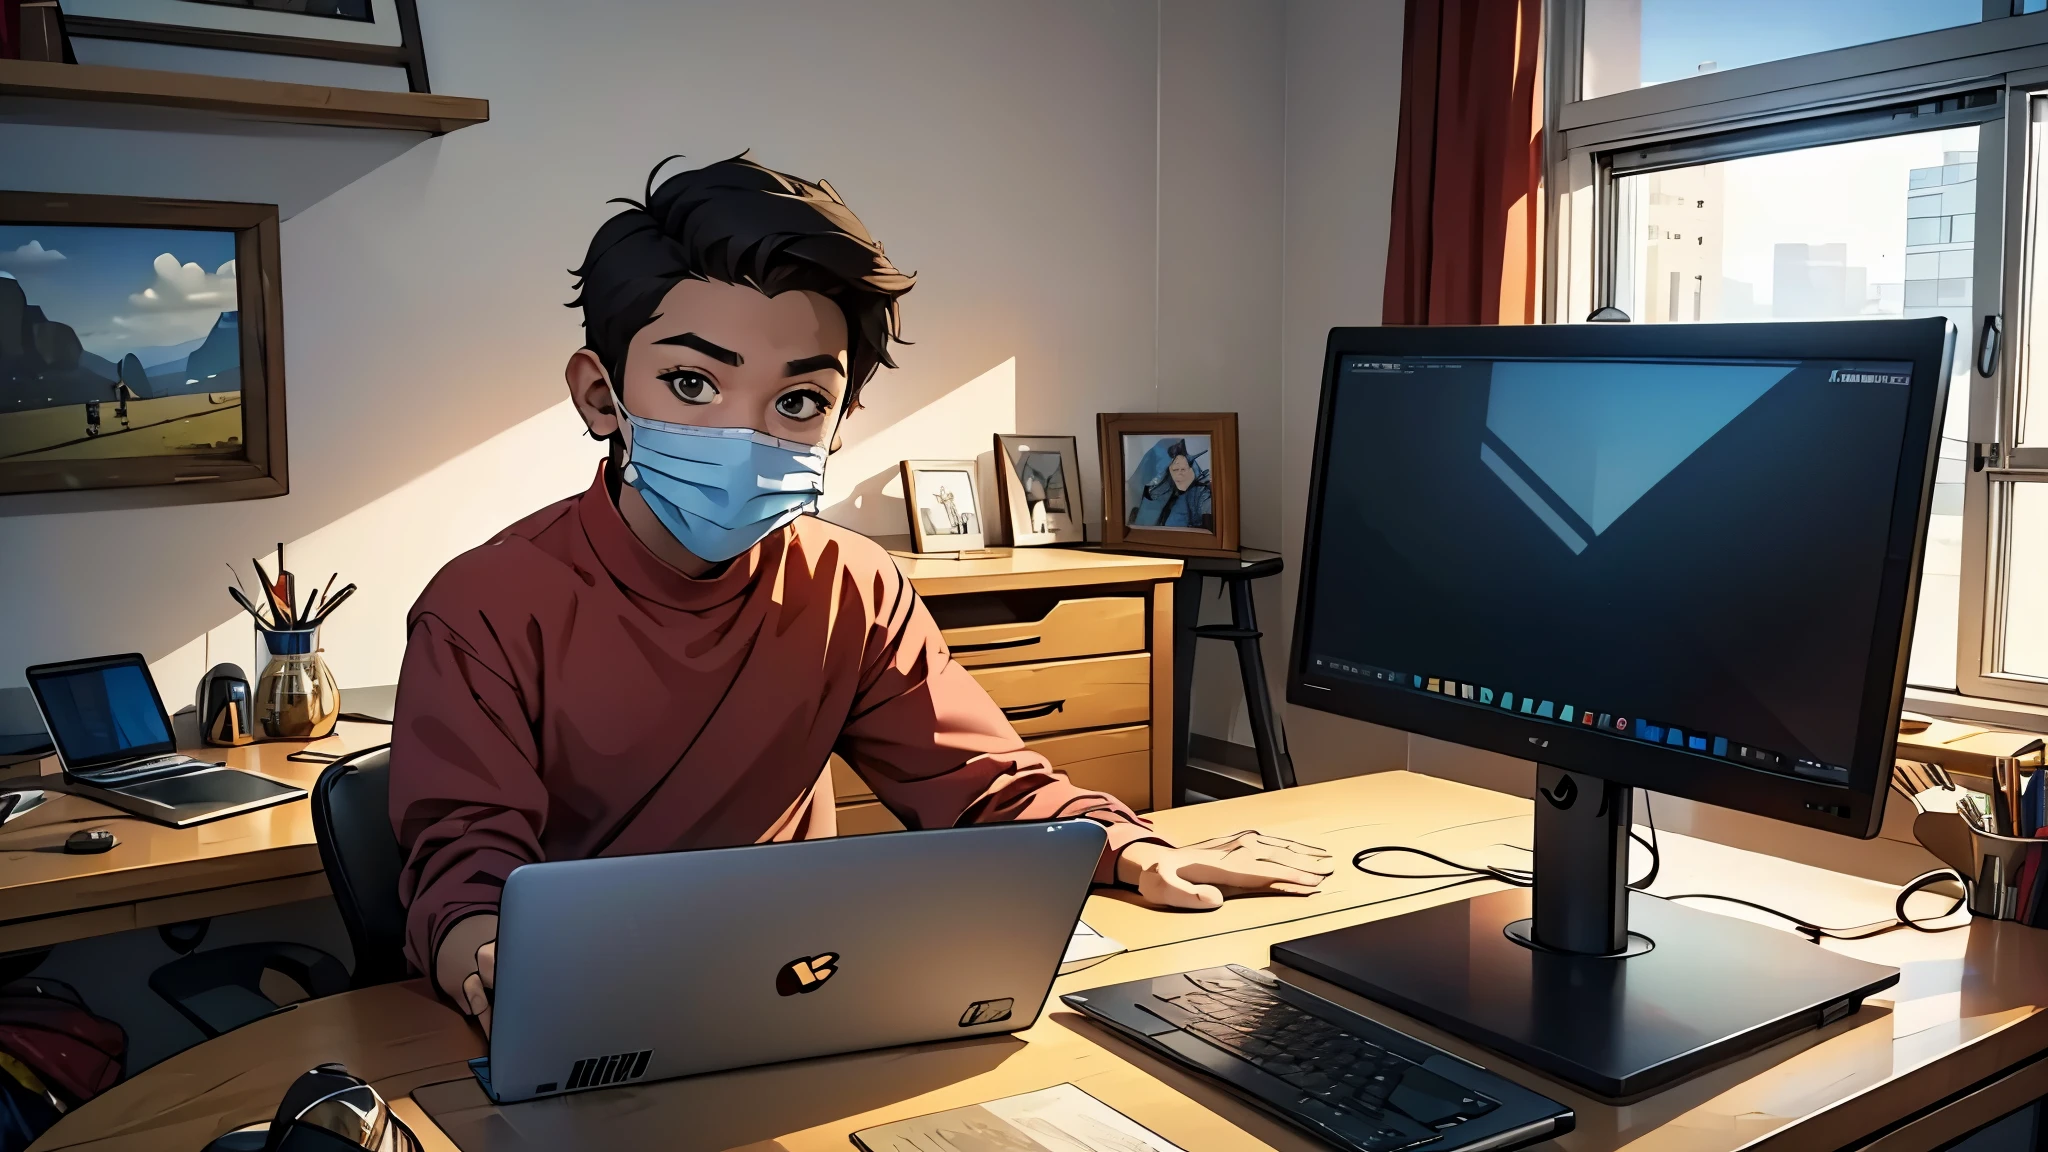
{"x":102,"y":711}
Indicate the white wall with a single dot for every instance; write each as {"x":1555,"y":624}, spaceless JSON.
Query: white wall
{"x":1007,"y":153}
{"x":1221,"y":152}
{"x":1111,"y":205}
{"x":1343,"y":117}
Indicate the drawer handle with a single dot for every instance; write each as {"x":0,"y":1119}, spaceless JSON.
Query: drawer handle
{"x":1033,"y":711}
{"x":994,"y":645}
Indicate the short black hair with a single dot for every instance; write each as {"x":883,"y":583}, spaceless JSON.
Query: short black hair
{"x":739,"y":222}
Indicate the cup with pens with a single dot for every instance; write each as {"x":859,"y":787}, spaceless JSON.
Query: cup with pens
{"x":1996,"y":841}
{"x":296,"y":694}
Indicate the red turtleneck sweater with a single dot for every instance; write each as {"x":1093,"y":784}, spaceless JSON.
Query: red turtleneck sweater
{"x":565,"y":694}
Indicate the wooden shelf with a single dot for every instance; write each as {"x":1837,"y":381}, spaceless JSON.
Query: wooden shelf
{"x":253,"y":99}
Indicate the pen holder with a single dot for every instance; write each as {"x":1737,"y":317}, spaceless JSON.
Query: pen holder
{"x":2003,"y":876}
{"x":296,"y":696}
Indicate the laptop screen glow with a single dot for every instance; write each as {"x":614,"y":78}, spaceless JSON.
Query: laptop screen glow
{"x":103,"y":715}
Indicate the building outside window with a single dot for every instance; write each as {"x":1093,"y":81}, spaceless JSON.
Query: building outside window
{"x":1836,"y":159}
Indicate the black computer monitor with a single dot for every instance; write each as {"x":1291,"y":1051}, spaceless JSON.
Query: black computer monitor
{"x":1682,"y":558}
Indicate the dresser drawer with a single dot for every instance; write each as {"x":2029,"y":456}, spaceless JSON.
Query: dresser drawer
{"x":1063,"y":695}
{"x":865,"y":819}
{"x":1113,"y":760}
{"x":1058,"y":629}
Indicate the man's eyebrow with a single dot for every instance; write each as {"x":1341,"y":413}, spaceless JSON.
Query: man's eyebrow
{"x":814,"y":364}
{"x":692,"y":340}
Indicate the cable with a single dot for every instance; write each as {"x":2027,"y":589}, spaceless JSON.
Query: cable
{"x":1525,"y":878}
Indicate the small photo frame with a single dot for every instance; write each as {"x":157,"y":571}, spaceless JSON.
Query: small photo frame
{"x":1169,"y":482}
{"x":944,"y":507}
{"x":1038,"y":487}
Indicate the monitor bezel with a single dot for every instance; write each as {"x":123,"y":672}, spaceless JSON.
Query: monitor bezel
{"x":41,"y":673}
{"x":1856,"y":810}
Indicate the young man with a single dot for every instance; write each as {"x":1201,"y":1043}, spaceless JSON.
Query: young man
{"x":666,"y":661}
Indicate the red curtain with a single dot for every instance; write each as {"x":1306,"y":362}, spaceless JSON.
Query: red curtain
{"x":1467,"y":200}
{"x":10,"y":29}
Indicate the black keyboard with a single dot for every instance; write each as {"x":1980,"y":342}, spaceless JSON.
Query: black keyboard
{"x":1351,"y":1081}
{"x":1347,"y":1072}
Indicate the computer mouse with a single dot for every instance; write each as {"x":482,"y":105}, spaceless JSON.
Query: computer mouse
{"x":92,"y":840}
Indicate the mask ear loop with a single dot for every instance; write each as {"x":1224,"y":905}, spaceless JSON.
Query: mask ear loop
{"x":625,"y":428}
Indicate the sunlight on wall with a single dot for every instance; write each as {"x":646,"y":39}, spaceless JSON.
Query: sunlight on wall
{"x":393,"y":545}
{"x":864,"y":487}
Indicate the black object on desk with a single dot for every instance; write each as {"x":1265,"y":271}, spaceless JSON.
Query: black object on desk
{"x":1276,"y":768}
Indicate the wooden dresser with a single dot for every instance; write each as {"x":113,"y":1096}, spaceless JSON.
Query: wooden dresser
{"x":1076,"y":647}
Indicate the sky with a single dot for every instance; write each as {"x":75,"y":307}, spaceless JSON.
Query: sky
{"x":123,"y":289}
{"x":1680,"y":35}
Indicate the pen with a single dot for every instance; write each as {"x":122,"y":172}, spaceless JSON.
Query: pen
{"x":2005,"y":797}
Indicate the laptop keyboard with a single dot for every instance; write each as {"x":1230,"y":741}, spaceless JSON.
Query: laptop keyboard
{"x":1345,"y":1072}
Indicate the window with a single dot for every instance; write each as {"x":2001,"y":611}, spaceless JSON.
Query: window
{"x":1637,"y":43}
{"x":1835,"y":232}
{"x":1836,"y":159}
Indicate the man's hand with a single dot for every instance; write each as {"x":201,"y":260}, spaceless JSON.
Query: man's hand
{"x":1195,"y":876}
{"x":466,"y":967}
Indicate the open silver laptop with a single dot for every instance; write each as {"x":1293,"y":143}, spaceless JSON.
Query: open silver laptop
{"x":115,"y":742}
{"x":635,"y":968}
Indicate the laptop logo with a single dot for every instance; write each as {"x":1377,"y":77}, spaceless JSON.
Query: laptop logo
{"x":806,"y":974}
{"x":987,"y":1012}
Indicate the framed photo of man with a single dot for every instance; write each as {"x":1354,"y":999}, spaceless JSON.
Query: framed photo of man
{"x":1038,"y":487}
{"x":1169,"y":482}
{"x":944,"y":508}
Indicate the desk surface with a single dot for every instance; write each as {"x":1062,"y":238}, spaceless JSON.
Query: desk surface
{"x":161,"y":875}
{"x":157,"y":874}
{"x":1968,"y":1007}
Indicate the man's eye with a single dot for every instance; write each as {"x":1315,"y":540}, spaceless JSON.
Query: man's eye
{"x":690,"y":387}
{"x":802,"y":405}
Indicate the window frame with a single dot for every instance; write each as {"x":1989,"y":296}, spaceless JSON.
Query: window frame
{"x":1811,"y":101}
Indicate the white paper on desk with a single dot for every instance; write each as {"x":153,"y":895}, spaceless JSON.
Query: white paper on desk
{"x":1087,"y":948}
{"x":1062,"y":1118}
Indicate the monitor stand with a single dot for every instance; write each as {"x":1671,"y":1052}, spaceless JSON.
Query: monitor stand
{"x":1615,"y":992}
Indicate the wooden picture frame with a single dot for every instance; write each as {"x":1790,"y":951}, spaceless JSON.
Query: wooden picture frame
{"x":390,"y":38}
{"x":251,"y":465}
{"x":1200,"y":515}
{"x":1039,"y":500}
{"x":932,"y":506}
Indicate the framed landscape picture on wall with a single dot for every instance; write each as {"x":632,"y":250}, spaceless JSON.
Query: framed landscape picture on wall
{"x":381,"y":32}
{"x":141,"y":347}
{"x":1169,"y":482}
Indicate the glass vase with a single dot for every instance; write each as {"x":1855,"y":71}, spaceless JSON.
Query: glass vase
{"x":296,"y":696}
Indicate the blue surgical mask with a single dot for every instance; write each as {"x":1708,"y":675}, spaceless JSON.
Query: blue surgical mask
{"x":720,"y":491}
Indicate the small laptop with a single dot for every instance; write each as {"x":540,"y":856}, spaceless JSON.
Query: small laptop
{"x":114,"y":740}
{"x":623,"y":970}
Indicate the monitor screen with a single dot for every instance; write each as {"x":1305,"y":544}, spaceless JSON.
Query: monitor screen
{"x":102,"y":711}
{"x":1685,"y":553}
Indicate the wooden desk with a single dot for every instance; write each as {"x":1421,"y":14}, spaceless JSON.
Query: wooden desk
{"x":1936,"y":1060}
{"x":161,"y":875}
{"x":1088,"y":631}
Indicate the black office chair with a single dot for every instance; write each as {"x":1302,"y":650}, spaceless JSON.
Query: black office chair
{"x":352,"y":820}
{"x":221,"y":989}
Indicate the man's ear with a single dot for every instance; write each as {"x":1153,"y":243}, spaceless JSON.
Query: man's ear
{"x":589,"y":390}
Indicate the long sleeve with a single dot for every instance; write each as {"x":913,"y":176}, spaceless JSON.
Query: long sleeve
{"x":938,"y":752}
{"x":467,"y":800}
